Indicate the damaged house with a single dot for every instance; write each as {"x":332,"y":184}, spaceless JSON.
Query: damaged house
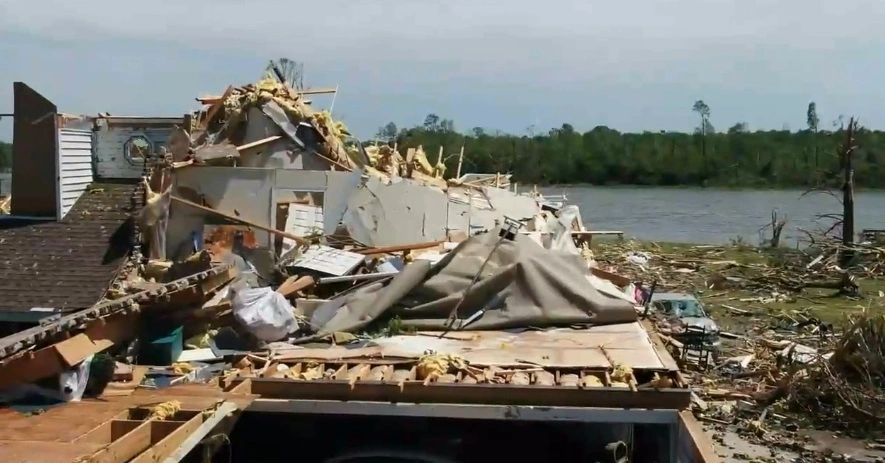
{"x":252,"y":260}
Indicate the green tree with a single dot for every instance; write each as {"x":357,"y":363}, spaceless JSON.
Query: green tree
{"x":431,"y":122}
{"x":388,"y":132}
{"x":737,"y":157}
{"x":704,"y":112}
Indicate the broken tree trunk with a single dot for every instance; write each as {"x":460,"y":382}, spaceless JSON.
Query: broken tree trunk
{"x":777,"y":227}
{"x":848,"y":149}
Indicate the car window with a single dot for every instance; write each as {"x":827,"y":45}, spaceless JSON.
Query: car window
{"x":688,"y":308}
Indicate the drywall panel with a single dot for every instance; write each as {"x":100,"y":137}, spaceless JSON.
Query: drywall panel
{"x":243,"y":192}
{"x":398,"y":213}
{"x":304,"y":180}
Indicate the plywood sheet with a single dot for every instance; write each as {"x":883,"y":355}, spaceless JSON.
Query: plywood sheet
{"x":593,"y":347}
{"x":329,"y":260}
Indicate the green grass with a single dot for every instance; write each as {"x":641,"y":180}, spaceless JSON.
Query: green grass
{"x":824,"y":304}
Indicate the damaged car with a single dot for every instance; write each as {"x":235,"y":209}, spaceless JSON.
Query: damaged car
{"x":687,"y":319}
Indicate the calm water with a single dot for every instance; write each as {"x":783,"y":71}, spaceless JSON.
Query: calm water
{"x":710,"y":215}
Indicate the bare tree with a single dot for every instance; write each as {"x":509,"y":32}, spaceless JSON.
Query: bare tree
{"x":846,"y":158}
{"x":777,"y":227}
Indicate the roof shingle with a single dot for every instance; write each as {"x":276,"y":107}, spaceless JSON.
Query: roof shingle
{"x":67,"y":265}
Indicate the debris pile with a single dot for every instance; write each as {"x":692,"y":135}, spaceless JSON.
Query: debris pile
{"x":847,"y":388}
{"x":274,"y":245}
{"x":226,"y":129}
{"x":779,"y":385}
{"x":781,"y":273}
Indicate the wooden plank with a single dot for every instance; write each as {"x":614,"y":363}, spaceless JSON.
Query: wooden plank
{"x":128,"y":438}
{"x":491,"y":394}
{"x":263,"y":141}
{"x":30,"y":367}
{"x":691,"y":433}
{"x":166,"y":436}
{"x":618,"y":280}
{"x":399,"y":248}
{"x":317,"y":91}
{"x":294,"y":284}
{"x":60,"y":424}
{"x":216,"y":107}
{"x":48,"y":361}
{"x":46,"y":452}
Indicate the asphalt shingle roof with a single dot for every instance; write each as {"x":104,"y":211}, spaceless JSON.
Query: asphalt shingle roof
{"x":67,"y":265}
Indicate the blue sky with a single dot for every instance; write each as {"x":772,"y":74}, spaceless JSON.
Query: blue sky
{"x":631,"y":65}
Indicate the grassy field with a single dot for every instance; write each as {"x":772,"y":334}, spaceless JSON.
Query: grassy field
{"x":824,"y":304}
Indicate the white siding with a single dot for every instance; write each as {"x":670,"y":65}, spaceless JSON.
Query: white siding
{"x":110,"y":158}
{"x":74,"y":167}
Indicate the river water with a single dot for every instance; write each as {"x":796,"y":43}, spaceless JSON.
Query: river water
{"x":709,"y":215}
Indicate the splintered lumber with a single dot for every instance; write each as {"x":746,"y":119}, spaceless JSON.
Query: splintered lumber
{"x":255,"y":143}
{"x":216,"y":107}
{"x":334,"y":162}
{"x":209,"y":100}
{"x":399,"y":248}
{"x":318,"y":91}
{"x":234,"y":218}
{"x":294,"y":284}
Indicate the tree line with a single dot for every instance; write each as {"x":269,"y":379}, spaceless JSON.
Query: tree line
{"x":735,"y":157}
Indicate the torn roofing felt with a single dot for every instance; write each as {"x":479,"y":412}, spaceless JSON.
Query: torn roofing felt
{"x":522,"y":285}
{"x":69,"y":264}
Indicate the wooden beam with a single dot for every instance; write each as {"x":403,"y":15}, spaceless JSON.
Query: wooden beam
{"x":328,"y":159}
{"x":460,"y":161}
{"x":398,"y":248}
{"x":701,"y":445}
{"x":294,"y":284}
{"x":489,"y":394}
{"x":214,"y":99}
{"x":166,"y":437}
{"x":236,"y":219}
{"x":259,"y":142}
{"x":318,"y":91}
{"x":216,"y":107}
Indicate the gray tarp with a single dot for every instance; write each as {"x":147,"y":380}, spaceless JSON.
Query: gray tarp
{"x":522,"y":285}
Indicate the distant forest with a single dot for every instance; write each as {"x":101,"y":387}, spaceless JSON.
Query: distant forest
{"x":736,"y":157}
